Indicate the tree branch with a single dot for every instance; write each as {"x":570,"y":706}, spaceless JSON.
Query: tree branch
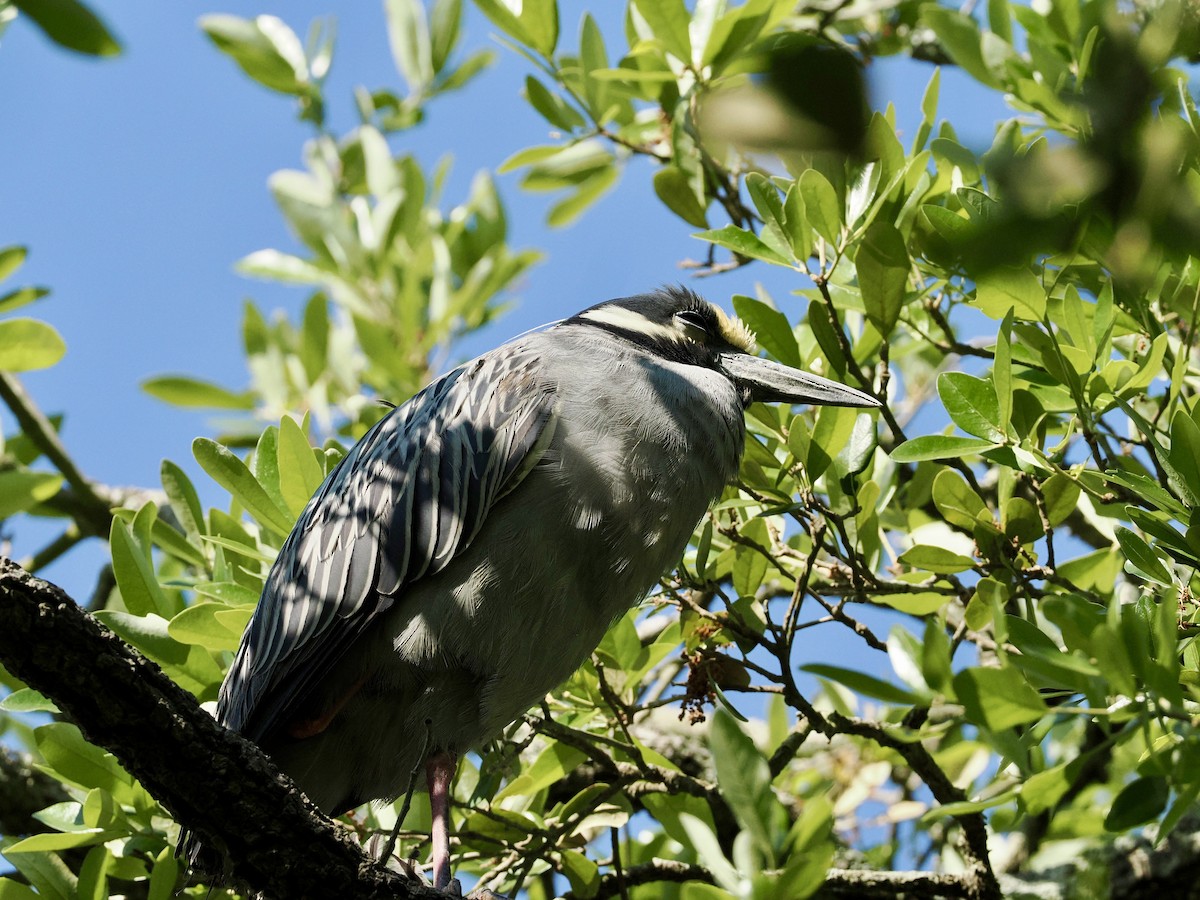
{"x":213,"y":781}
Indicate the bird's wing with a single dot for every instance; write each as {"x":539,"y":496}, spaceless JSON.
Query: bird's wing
{"x":407,"y":498}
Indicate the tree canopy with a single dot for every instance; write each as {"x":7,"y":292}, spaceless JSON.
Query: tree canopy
{"x":943,"y":649}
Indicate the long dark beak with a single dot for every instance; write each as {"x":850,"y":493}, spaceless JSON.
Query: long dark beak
{"x":769,"y":382}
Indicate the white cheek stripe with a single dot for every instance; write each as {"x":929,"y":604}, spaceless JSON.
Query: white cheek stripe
{"x":628,"y":320}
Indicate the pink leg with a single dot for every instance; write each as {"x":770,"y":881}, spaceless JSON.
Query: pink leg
{"x":439,"y":772}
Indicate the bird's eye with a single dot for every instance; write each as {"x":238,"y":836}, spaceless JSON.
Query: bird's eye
{"x":693,"y":325}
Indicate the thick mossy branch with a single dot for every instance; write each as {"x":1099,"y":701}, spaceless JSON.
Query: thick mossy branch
{"x":213,"y":781}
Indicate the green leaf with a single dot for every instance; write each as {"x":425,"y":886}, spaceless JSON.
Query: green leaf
{"x":1061,"y":493}
{"x":551,"y":765}
{"x":231,"y":473}
{"x":674,"y":189}
{"x":93,"y":874}
{"x":11,"y":259}
{"x":821,"y":207}
{"x":998,"y":698}
{"x":14,"y":890}
{"x":408,"y":37}
{"x":939,"y":446}
{"x":921,"y":603}
{"x":299,"y":472}
{"x":45,"y":871}
{"x":589,"y":191}
{"x":185,"y":502}
{"x":799,"y":232}
{"x":835,"y":425}
{"x":745,"y":779}
{"x":76,"y":761}
{"x":14,"y":300}
{"x":265,"y":49}
{"x":668,"y":19}
{"x":555,"y":110}
{"x":21,"y":490}
{"x":539,"y":18}
{"x":865,"y":684}
{"x":883,"y":266}
{"x":1000,"y":289}
{"x":582,"y":873}
{"x":961,"y":37}
{"x":504,"y":19}
{"x":27,"y":700}
{"x":58,"y":840}
{"x":445,"y":20}
{"x":744,"y":243}
{"x":1144,"y":560}
{"x":1002,"y":374}
{"x":593,"y":56}
{"x":1140,"y":801}
{"x":971,"y":404}
{"x":228,"y":592}
{"x":936,"y":559}
{"x":27,"y":344}
{"x":957,"y":501}
{"x":192,"y":667}
{"x":72,"y":25}
{"x":765,"y":195}
{"x":706,"y":846}
{"x":181,"y":390}
{"x":134,"y":572}
{"x":214,"y":626}
{"x":771,"y":327}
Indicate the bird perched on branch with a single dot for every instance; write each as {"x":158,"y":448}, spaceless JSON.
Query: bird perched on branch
{"x":472,"y":549}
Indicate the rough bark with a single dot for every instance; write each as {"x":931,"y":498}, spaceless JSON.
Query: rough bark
{"x":213,"y":781}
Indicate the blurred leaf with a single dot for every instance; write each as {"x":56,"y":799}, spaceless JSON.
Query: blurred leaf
{"x":21,"y":490}
{"x":265,"y":49}
{"x":674,"y":189}
{"x":868,"y":685}
{"x":960,"y":35}
{"x":561,"y":114}
{"x":1139,"y":802}
{"x":180,"y":390}
{"x":668,"y":19}
{"x":11,"y":259}
{"x":27,"y":344}
{"x":408,"y":37}
{"x":72,"y":25}
{"x":824,"y":83}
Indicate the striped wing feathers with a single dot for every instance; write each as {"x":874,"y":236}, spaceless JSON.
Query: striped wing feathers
{"x":404,"y":502}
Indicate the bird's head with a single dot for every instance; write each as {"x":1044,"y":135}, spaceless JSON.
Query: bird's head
{"x":680,"y":325}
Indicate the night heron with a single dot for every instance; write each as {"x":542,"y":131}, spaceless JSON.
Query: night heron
{"x":471,"y":550}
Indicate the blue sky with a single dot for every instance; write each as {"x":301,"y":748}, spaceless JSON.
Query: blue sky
{"x":138,"y":182}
